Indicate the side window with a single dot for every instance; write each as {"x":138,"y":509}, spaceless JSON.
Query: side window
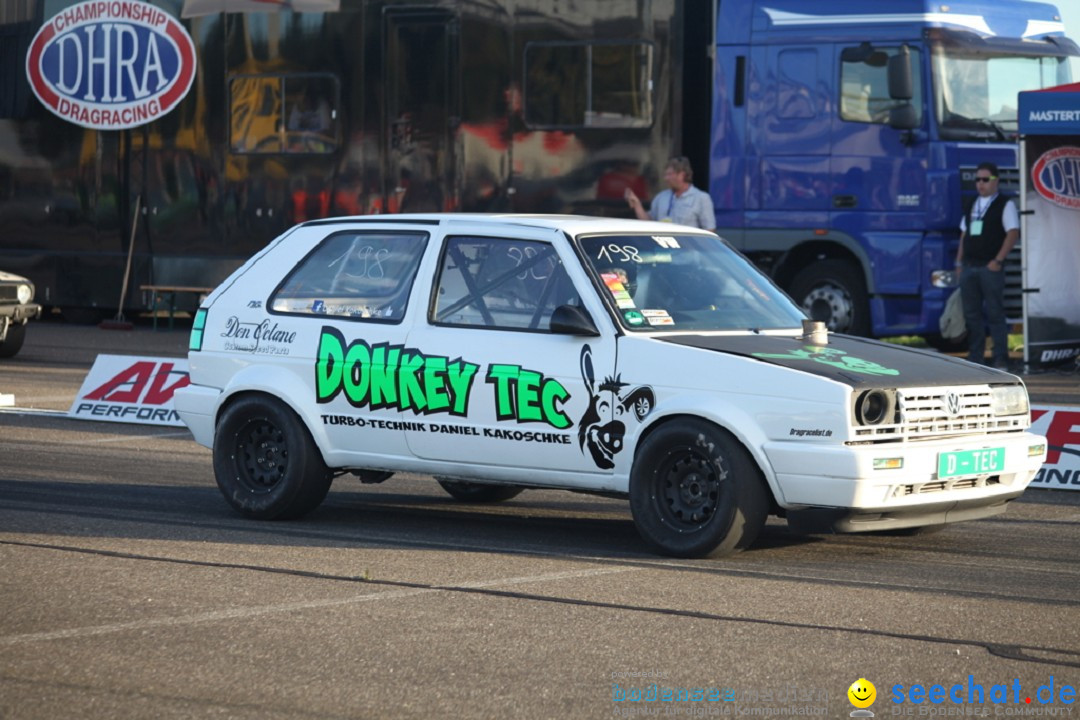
{"x":365,"y":276}
{"x":501,"y":284}
{"x":864,"y":84}
{"x":571,"y":84}
{"x":283,"y":114}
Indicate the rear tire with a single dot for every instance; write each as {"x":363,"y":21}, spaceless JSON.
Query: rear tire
{"x":478,"y":492}
{"x":834,"y":292}
{"x":16,"y":336}
{"x":696,"y":492}
{"x":266,"y":464}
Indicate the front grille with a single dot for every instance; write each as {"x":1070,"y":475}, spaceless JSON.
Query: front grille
{"x":938,"y":486}
{"x":942,"y":412}
{"x":9,"y":292}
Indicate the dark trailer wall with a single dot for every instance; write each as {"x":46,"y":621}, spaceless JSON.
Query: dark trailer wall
{"x":375,"y":107}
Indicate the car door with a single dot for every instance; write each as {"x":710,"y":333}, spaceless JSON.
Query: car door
{"x":521,"y":398}
{"x":350,"y":296}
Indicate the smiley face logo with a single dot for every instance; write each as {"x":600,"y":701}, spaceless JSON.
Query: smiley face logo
{"x":862,"y":693}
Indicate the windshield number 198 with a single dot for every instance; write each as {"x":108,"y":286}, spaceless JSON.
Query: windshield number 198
{"x":619,"y":253}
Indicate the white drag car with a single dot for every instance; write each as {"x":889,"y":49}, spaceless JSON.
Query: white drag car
{"x":648,"y":360}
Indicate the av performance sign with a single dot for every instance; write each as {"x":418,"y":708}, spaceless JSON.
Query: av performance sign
{"x":131,"y":389}
{"x":111,"y":64}
{"x":1061,"y":426}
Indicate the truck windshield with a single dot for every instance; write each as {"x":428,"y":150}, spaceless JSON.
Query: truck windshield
{"x":975,"y":89}
{"x":685,"y":282}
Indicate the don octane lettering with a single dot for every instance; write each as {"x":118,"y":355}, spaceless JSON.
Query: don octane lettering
{"x":393,"y":376}
{"x":257,"y":333}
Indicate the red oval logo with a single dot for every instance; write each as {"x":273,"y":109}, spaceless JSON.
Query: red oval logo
{"x":1056,"y":176}
{"x":111,"y":64}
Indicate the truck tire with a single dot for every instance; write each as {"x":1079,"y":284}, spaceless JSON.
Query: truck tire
{"x":696,"y":492}
{"x":478,"y":492}
{"x":834,"y":292}
{"x":265,"y":462}
{"x":16,"y":335}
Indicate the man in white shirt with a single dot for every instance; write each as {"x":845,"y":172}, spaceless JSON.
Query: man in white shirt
{"x":988,"y":231}
{"x":682,"y":203}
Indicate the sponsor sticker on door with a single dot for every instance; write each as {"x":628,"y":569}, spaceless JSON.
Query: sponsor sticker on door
{"x":131,"y":389}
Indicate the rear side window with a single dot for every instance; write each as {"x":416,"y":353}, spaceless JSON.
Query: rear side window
{"x":365,"y":276}
{"x":502,"y":284}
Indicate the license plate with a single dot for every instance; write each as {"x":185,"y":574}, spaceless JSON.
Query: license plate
{"x":971,"y":462}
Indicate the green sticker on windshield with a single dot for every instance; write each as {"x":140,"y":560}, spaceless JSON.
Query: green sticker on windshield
{"x":633,"y":317}
{"x":834,"y":357}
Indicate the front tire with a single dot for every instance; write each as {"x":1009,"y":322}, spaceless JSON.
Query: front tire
{"x":13,"y":343}
{"x":834,"y":292}
{"x":266,"y":464}
{"x":478,"y":492}
{"x":696,"y":492}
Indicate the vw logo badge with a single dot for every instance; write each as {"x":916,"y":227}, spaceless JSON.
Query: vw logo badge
{"x":952,"y":403}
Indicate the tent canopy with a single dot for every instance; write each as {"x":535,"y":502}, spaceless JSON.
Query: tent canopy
{"x":1052,"y":111}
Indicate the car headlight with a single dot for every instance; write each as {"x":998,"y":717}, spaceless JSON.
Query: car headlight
{"x":1009,"y":400}
{"x":25,"y":293}
{"x":876,"y":407}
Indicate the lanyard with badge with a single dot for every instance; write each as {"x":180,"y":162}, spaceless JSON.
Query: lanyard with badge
{"x":670,"y":205}
{"x":977,"y":222}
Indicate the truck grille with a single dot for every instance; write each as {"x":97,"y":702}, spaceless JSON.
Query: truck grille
{"x":942,"y":412}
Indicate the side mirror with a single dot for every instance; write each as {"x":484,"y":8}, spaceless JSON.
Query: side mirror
{"x":904,"y":117}
{"x":573,"y":320}
{"x":901,"y":83}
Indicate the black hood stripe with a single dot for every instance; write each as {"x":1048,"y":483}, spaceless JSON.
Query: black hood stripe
{"x":857,"y":362}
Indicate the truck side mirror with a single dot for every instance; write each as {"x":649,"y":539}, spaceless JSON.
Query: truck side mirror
{"x":900,"y":81}
{"x":573,"y":320}
{"x":904,"y":117}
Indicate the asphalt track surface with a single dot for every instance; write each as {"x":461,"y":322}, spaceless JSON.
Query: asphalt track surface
{"x":128,"y":589}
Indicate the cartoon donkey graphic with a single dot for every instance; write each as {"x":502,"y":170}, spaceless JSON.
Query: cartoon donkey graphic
{"x":605,"y":439}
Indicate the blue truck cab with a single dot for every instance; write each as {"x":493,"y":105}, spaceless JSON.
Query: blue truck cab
{"x":845,"y":136}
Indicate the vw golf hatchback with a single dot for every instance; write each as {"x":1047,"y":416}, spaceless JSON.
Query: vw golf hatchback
{"x":647,"y":360}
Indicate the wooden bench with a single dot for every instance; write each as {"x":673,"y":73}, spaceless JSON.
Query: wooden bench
{"x":163,"y":297}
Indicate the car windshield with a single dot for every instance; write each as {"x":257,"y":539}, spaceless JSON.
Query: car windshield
{"x":975,"y":89}
{"x":685,"y":282}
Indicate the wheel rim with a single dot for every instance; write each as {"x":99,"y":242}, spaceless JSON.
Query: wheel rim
{"x":690,"y":489}
{"x":262,"y":455}
{"x":830,"y":304}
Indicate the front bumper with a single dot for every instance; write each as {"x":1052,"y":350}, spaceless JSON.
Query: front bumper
{"x":19,"y":313}
{"x":838,"y":487}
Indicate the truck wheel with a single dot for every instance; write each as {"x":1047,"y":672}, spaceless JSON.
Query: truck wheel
{"x":696,"y":492}
{"x":266,"y":464}
{"x":834,"y":292}
{"x":16,"y":335}
{"x":478,"y":492}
